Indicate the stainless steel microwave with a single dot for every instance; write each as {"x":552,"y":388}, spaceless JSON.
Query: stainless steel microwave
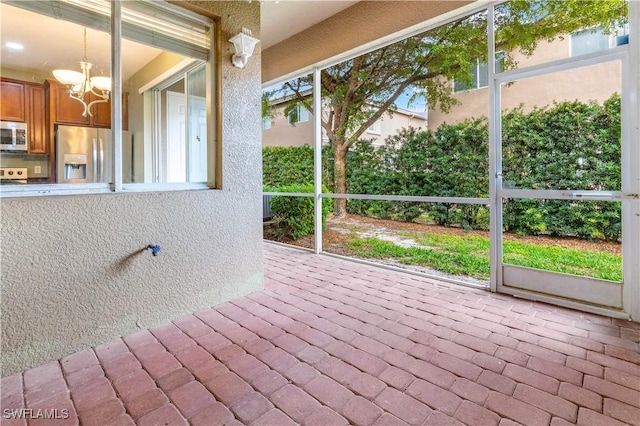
{"x":13,"y":136}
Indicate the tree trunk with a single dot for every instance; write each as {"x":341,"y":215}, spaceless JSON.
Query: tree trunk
{"x":339,"y":179}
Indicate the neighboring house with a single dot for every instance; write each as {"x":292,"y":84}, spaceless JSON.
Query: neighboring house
{"x":597,"y":82}
{"x":296,"y":127}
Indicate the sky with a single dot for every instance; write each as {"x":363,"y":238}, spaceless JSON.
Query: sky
{"x":419,"y":105}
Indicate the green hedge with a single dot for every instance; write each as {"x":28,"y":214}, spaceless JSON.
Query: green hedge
{"x":567,"y":146}
{"x":571,"y":146}
{"x":452,"y":162}
{"x":293,"y":216}
{"x":287,"y":165}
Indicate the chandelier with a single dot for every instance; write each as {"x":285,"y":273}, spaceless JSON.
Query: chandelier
{"x":80,"y":83}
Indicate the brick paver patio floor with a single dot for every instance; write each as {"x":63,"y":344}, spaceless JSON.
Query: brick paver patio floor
{"x":332,"y":342}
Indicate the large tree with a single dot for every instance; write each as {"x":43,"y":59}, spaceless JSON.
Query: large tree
{"x":359,"y":91}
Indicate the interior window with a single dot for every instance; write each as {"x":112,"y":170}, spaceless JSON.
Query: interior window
{"x":166,"y":57}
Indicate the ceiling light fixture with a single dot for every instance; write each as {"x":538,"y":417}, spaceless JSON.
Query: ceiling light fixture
{"x":13,"y":45}
{"x":80,"y":83}
{"x":244,"y":45}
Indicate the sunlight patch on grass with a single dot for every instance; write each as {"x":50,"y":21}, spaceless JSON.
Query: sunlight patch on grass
{"x":446,"y":261}
{"x":469,"y":255}
{"x":602,"y":265}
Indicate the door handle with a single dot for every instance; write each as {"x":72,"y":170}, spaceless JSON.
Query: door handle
{"x":101,"y":163}
{"x":574,"y":194}
{"x":604,"y":196}
{"x":95,"y":160}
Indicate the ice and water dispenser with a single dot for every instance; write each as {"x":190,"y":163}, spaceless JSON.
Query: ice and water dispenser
{"x":75,"y":166}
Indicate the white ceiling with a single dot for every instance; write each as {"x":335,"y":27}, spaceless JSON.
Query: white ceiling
{"x":52,"y":43}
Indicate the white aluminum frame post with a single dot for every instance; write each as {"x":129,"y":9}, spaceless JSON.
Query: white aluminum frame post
{"x":495,"y":160}
{"x":116,"y":94}
{"x":631,"y":159}
{"x":317,"y":160}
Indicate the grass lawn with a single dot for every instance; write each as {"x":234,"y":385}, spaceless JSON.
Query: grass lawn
{"x":469,"y":255}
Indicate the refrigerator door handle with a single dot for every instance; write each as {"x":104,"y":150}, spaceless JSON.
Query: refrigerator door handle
{"x":101,"y":162}
{"x":95,"y":160}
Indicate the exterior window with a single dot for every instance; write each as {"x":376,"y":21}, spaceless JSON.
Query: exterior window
{"x":589,"y":41}
{"x":594,"y":39}
{"x":266,"y":123}
{"x":375,"y":128}
{"x":298,"y":114}
{"x":480,"y":74}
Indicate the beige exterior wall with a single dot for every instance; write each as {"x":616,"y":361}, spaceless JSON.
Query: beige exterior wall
{"x":596,"y":82}
{"x":362,"y":23}
{"x":282,"y":133}
{"x":73,"y":271}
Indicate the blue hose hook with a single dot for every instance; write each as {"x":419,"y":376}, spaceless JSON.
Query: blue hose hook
{"x":155,"y":249}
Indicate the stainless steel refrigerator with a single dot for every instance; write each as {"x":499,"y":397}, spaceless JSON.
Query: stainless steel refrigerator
{"x":83,"y":154}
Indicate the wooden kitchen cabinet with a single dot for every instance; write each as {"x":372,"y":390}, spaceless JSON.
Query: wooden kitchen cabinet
{"x":69,"y":111}
{"x":101,"y":113}
{"x":37,"y":130}
{"x":12,"y":101}
{"x":26,"y":102}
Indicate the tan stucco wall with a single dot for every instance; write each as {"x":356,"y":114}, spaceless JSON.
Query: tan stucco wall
{"x":362,"y":23}
{"x":597,"y":82}
{"x":72,"y":270}
{"x":282,"y":133}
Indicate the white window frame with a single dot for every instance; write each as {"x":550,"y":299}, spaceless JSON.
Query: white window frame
{"x":159,"y":163}
{"x":475,"y":84}
{"x":101,"y":15}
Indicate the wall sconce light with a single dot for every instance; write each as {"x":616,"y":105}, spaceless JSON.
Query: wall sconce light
{"x":244,"y":45}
